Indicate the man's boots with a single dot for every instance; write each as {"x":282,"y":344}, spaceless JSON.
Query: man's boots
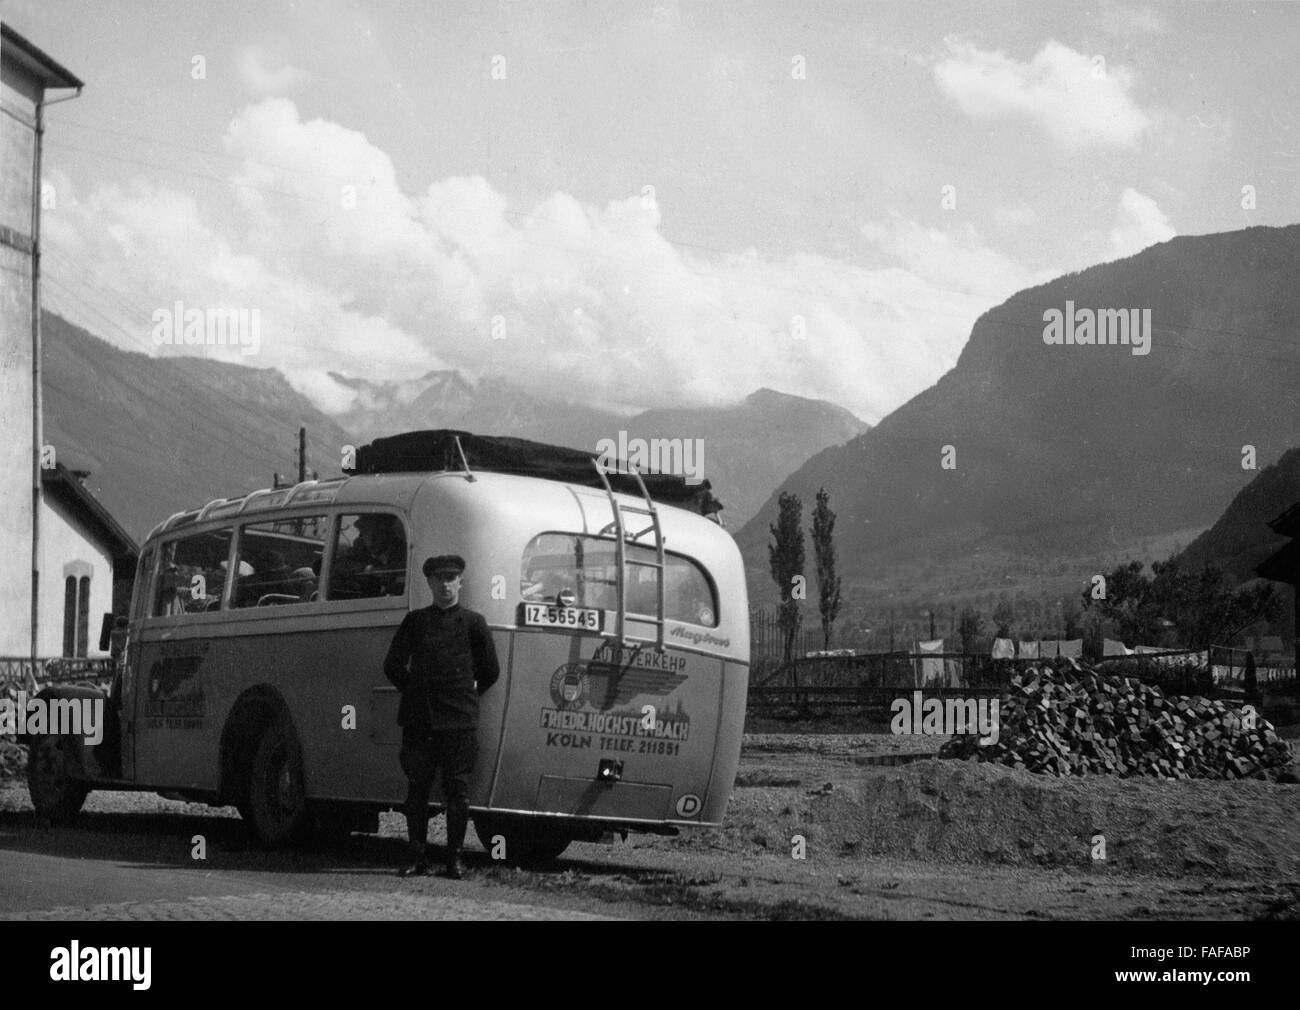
{"x":457,"y":822}
{"x":419,"y":864}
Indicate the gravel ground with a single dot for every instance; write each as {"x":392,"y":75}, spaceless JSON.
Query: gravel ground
{"x":819,"y":827}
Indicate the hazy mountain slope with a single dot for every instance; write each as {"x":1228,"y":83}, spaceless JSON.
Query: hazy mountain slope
{"x":749,"y":447}
{"x":1060,"y":449}
{"x":163,"y":434}
{"x":1241,"y":539}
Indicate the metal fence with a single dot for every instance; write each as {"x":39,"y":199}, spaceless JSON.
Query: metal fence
{"x":34,"y":674}
{"x":767,"y":644}
{"x":871,"y":680}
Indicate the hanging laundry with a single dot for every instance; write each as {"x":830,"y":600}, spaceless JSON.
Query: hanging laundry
{"x":930,"y":671}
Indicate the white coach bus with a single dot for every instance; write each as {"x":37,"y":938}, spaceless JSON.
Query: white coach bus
{"x":253,"y":670}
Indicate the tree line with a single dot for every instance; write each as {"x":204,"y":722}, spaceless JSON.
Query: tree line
{"x":1176,"y":605}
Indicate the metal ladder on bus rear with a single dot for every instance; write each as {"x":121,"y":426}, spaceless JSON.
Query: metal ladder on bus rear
{"x":622,"y":561}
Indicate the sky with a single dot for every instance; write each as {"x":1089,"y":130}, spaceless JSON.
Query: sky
{"x":638,"y":204}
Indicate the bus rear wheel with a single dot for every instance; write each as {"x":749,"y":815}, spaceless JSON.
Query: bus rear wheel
{"x":528,"y":841}
{"x":56,"y":791}
{"x":275,"y":804}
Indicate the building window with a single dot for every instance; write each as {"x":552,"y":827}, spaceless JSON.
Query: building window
{"x":76,"y":615}
{"x":83,"y":615}
{"x":69,"y":615}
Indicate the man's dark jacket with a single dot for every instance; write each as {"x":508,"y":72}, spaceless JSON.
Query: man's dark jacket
{"x":436,"y":658}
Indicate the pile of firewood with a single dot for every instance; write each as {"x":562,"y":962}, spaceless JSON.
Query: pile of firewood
{"x":1073,"y":720}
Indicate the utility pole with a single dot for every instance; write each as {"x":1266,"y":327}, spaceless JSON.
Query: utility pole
{"x":302,"y":453}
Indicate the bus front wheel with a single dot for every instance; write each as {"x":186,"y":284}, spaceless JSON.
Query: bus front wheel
{"x":275,"y":805}
{"x":520,"y":841}
{"x":56,"y":791}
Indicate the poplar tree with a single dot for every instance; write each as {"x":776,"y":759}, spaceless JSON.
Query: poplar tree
{"x":785,"y":559}
{"x":828,"y":583}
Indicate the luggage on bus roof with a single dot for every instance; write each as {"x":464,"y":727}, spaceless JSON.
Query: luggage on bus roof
{"x":416,"y":451}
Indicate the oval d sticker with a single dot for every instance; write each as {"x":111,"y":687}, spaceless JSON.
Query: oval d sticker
{"x":688,"y":806}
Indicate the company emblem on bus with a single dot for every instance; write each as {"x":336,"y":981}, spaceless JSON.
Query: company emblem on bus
{"x":175,"y":699}
{"x":569,"y":686}
{"x":585,"y":696}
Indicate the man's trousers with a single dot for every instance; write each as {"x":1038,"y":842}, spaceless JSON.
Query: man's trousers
{"x":423,"y":755}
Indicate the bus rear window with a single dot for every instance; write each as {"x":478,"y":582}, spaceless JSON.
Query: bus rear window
{"x":586,"y":566}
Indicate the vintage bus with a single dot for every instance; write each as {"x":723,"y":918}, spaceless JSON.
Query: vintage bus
{"x":253,"y":668}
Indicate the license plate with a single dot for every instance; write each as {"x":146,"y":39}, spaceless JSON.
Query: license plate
{"x":538,"y":615}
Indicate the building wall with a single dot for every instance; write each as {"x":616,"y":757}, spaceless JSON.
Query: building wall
{"x":18,"y":94}
{"x":68,"y":548}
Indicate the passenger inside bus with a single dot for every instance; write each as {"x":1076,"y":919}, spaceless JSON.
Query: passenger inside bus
{"x":370,"y":557}
{"x":279,"y":562}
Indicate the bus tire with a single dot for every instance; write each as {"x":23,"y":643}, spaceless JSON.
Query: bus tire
{"x":53,"y":779}
{"x":529,"y":842}
{"x":275,"y":802}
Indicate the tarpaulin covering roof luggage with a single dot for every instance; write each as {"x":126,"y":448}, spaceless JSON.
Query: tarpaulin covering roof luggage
{"x":435,"y":449}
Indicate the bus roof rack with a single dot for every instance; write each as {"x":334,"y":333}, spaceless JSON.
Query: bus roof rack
{"x":444,"y":449}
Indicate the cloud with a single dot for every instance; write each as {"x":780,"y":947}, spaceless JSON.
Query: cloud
{"x":260,"y":76}
{"x":356,"y":276}
{"x":1125,"y":19}
{"x":1076,"y":102}
{"x":1139,"y":222}
{"x":960,"y":261}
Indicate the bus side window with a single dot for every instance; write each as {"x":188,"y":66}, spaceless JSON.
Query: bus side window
{"x":279,"y":562}
{"x":143,"y":581}
{"x":192,"y":574}
{"x":369,"y":557}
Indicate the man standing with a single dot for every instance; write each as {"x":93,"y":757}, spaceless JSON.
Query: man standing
{"x":441,"y":659}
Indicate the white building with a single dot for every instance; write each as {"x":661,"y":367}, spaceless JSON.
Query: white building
{"x":80,"y":541}
{"x":87,"y":566}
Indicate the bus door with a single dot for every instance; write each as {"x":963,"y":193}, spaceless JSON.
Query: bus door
{"x":596,"y":727}
{"x":179,"y":659}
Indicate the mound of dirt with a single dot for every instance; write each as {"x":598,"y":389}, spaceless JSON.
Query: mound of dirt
{"x":1074,"y":720}
{"x":970,"y":812}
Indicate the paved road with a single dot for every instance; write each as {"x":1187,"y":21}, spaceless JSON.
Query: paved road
{"x":139,"y":865}
{"x":35,"y":886}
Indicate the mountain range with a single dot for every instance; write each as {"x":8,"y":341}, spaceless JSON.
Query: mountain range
{"x":161,"y":434}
